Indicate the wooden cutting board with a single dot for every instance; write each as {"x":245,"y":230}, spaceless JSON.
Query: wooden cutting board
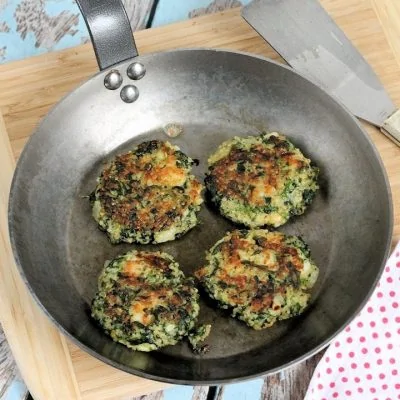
{"x":51,"y":365}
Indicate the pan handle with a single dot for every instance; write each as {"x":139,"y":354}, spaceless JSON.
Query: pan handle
{"x":110,"y":31}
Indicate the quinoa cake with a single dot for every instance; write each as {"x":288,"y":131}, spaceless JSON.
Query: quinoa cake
{"x":260,"y":276}
{"x":144,"y":301}
{"x":147,"y":195}
{"x":260,"y":180}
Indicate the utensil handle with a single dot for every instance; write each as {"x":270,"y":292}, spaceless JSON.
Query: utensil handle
{"x":213,"y":392}
{"x":110,"y":31}
{"x":391,"y":127}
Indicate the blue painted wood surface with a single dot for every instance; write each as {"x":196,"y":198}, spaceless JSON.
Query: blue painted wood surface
{"x":32,"y":27}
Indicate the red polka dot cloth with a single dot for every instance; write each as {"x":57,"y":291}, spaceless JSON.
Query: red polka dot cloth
{"x":363,"y":362}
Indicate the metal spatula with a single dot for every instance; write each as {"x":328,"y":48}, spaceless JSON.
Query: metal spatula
{"x":304,"y":34}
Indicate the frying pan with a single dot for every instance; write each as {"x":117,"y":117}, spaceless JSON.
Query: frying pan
{"x":211,"y":95}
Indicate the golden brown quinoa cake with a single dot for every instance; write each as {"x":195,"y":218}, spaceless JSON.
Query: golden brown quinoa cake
{"x":147,"y":195}
{"x":260,"y":180}
{"x":260,"y":276}
{"x":144,"y":301}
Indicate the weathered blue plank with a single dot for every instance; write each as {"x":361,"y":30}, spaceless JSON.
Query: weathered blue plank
{"x":248,"y":390}
{"x":179,"y":393}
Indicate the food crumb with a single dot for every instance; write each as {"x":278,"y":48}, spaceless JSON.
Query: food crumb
{"x":197,"y":336}
{"x":173,"y":130}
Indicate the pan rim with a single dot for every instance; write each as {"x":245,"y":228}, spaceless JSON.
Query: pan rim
{"x":239,"y":377}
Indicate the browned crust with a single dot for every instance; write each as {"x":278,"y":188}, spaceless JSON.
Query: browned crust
{"x":264,"y":168}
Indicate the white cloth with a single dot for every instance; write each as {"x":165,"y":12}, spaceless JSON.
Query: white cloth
{"x":363,"y":361}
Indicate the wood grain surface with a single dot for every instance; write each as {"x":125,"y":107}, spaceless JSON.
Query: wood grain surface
{"x":9,"y":373}
{"x":35,"y":343}
{"x":52,"y":366}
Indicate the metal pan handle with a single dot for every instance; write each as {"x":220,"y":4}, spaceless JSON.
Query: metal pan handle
{"x":110,"y":31}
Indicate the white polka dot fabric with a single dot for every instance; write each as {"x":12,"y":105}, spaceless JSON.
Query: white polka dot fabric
{"x":363,"y":362}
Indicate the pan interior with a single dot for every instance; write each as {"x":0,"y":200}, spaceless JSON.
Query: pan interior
{"x":213,"y":95}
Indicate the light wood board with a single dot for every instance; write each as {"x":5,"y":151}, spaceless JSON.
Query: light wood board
{"x":51,"y":365}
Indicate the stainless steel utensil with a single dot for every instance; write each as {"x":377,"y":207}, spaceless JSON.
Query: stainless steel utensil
{"x":309,"y":40}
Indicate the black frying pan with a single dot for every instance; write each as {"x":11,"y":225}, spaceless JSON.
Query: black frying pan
{"x":213,"y":95}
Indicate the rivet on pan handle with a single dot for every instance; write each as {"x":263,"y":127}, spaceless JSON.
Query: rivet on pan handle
{"x":110,"y":31}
